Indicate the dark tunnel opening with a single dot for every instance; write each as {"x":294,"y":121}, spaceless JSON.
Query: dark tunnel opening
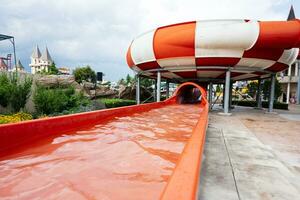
{"x":189,"y":94}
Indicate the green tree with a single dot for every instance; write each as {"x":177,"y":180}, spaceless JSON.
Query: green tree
{"x":252,"y":88}
{"x":146,"y":82}
{"x":84,"y":74}
{"x":52,"y":69}
{"x":266,"y":89}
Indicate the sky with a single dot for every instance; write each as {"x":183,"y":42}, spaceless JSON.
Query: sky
{"x":98,"y":32}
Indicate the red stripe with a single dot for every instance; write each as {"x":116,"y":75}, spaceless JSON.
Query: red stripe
{"x":267,"y":54}
{"x":148,"y":65}
{"x":215,"y":61}
{"x":129,"y":58}
{"x":190,"y":74}
{"x":279,"y":34}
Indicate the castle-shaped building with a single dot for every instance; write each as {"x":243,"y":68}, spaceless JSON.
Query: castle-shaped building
{"x":40,"y":62}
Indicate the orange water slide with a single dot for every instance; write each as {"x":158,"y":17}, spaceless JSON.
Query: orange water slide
{"x":149,"y":151}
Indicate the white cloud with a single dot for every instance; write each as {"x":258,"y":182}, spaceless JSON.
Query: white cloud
{"x":98,"y":32}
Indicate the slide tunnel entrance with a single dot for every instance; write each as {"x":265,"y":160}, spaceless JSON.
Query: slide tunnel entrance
{"x":189,"y":93}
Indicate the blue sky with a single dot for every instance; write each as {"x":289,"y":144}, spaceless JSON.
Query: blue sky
{"x":98,"y":32}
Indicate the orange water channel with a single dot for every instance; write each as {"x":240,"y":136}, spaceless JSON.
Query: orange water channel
{"x":125,"y":158}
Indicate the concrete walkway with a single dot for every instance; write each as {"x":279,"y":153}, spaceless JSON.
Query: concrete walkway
{"x":241,"y":164}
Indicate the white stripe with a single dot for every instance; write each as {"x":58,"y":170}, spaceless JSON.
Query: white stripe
{"x":255,"y":62}
{"x":136,"y":69}
{"x":225,"y":38}
{"x":209,"y":74}
{"x":170,"y":75}
{"x":171,"y":62}
{"x":244,"y":76}
{"x":288,"y":57}
{"x":142,"y":49}
{"x":182,"y":69}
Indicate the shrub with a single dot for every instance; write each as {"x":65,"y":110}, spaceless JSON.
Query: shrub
{"x":19,"y":92}
{"x":113,"y":103}
{"x":20,"y":116}
{"x":58,"y":100}
{"x":14,"y":91}
{"x":4,"y":90}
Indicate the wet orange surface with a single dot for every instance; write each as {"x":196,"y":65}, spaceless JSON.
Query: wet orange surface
{"x":126,"y":158}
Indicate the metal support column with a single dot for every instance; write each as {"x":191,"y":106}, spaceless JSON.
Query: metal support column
{"x":230,"y":95}
{"x":210,"y":95}
{"x":167,"y":89}
{"x":138,"y":90}
{"x":158,"y":86}
{"x":258,"y":94}
{"x":12,"y":40}
{"x":223,"y":90}
{"x":272,"y":93}
{"x":155,"y":89}
{"x":227,"y":90}
{"x":298,"y":85}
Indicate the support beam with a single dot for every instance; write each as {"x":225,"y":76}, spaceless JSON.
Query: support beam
{"x":138,"y":90}
{"x":158,"y":86}
{"x":167,"y":89}
{"x":272,"y":93}
{"x":210,"y":93}
{"x":227,"y":90}
{"x":258,"y":94}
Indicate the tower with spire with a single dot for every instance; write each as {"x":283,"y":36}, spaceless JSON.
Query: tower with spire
{"x":40,"y":62}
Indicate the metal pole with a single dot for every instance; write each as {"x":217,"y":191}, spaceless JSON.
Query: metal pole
{"x":138,"y":98}
{"x":155,"y":90}
{"x":227,"y":88}
{"x":230,"y":95}
{"x":158,"y":86}
{"x":14,"y":47}
{"x":167,"y":89}
{"x":298,"y":86}
{"x":223,"y":94}
{"x":272,"y":93}
{"x":258,"y":94}
{"x":210,"y":95}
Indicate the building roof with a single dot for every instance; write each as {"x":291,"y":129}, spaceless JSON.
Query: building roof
{"x":19,"y":65}
{"x":2,"y":64}
{"x":46,"y":56}
{"x":292,"y":15}
{"x":36,"y":52}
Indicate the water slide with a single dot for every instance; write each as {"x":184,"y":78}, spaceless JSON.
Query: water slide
{"x":147,"y":151}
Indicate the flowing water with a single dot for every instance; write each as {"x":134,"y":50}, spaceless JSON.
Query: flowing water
{"x":125,"y":158}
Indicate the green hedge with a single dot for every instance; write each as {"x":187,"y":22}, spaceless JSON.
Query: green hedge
{"x":113,"y":103}
{"x":265,"y":104}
